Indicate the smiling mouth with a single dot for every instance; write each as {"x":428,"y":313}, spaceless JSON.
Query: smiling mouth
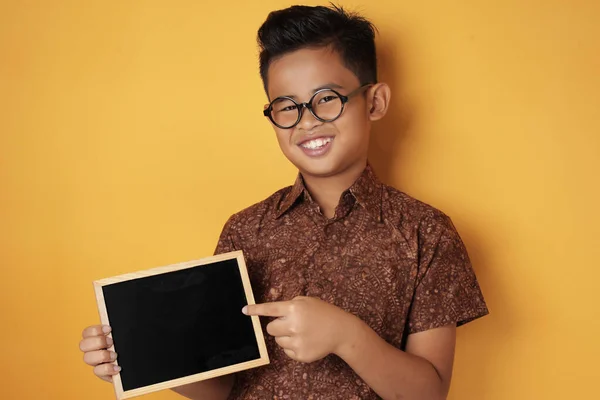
{"x":317,"y":143}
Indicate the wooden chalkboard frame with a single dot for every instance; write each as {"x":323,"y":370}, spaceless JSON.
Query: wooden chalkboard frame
{"x":263,"y":360}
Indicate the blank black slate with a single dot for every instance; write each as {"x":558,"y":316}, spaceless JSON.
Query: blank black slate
{"x":180,"y":323}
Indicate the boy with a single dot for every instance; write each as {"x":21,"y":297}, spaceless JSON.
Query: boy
{"x":362,"y":286}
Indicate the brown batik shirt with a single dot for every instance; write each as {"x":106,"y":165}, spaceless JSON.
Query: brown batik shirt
{"x":395,"y":262}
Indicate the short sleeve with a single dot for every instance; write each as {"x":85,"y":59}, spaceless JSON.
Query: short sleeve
{"x":447,"y":291}
{"x":225,"y":243}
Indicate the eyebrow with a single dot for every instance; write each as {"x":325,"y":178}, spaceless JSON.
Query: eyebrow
{"x":330,"y":85}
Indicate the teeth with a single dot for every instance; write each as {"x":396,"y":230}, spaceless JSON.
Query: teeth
{"x":316,"y":143}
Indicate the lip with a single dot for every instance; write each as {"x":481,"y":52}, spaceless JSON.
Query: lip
{"x":309,"y":138}
{"x":317,"y":152}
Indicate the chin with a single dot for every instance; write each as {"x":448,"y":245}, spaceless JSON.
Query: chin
{"x":318,"y":167}
{"x":318,"y":172}
{"x":329,"y":165}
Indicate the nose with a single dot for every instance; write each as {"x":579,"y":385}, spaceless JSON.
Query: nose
{"x":307,"y":119}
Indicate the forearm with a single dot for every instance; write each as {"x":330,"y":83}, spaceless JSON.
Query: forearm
{"x":212,"y":389}
{"x":390,"y":372}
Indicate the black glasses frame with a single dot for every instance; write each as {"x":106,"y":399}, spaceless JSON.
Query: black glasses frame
{"x":308,"y":105}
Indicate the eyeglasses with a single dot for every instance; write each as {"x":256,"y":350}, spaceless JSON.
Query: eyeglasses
{"x":326,"y":105}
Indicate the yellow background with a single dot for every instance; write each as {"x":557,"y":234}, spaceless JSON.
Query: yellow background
{"x":131,"y":130}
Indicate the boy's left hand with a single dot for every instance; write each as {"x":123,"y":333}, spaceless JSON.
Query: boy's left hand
{"x":307,"y":329}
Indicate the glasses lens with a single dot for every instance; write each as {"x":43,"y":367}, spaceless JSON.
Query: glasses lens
{"x":327,"y":105}
{"x":284,"y":112}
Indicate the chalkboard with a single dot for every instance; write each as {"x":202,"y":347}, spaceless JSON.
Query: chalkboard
{"x":180,"y":323}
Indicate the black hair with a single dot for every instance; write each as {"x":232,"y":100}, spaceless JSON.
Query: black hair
{"x":349,"y":34}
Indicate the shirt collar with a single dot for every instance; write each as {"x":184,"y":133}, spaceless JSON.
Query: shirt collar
{"x":367,"y":190}
{"x":290,"y":198}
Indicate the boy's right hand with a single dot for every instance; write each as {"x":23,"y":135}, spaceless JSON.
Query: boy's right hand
{"x":97,"y":351}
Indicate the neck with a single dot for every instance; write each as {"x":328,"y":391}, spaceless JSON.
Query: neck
{"x":326,"y":191}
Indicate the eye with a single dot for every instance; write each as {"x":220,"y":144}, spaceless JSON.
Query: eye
{"x":327,"y":99}
{"x":288,"y":108}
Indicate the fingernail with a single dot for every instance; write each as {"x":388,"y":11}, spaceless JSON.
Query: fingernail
{"x":109,"y":341}
{"x":117,"y":368}
{"x":113,"y":356}
{"x":245,"y":310}
{"x":106,"y":329}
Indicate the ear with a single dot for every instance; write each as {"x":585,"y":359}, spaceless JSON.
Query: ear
{"x":379,"y":101}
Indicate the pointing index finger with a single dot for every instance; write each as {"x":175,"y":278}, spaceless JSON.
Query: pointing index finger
{"x":276,"y":309}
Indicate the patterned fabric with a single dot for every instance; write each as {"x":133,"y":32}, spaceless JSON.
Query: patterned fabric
{"x":391,"y":260}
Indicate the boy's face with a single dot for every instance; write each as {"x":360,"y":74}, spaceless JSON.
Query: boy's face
{"x":321,"y":148}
